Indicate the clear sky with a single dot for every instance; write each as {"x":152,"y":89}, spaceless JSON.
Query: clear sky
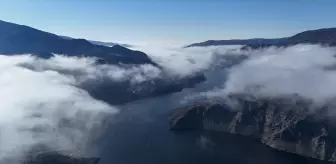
{"x":170,"y":21}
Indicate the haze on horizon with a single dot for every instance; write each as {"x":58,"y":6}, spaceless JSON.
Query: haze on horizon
{"x":175,"y":22}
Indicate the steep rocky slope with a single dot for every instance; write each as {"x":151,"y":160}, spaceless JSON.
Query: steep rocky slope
{"x":290,"y":124}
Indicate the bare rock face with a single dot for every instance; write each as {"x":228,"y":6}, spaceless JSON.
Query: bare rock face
{"x":290,"y":124}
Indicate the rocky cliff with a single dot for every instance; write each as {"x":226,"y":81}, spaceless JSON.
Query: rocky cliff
{"x":290,"y":124}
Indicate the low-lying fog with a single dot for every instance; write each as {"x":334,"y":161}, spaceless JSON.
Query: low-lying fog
{"x":44,"y":101}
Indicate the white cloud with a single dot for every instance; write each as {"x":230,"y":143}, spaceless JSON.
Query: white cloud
{"x":43,"y":107}
{"x":302,"y":69}
{"x":187,"y":61}
{"x":43,"y":103}
{"x":39,"y":95}
{"x":84,"y":69}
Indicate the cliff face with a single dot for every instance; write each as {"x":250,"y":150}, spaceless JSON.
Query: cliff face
{"x":289,"y":124}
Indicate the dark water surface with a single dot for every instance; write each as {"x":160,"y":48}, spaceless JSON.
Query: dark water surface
{"x":140,"y":134}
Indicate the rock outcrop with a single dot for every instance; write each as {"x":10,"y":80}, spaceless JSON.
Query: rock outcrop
{"x":290,"y":124}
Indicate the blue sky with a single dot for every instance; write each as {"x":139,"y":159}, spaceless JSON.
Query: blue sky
{"x":170,"y":21}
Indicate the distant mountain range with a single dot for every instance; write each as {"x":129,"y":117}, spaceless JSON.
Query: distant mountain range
{"x":20,"y":39}
{"x":325,"y":36}
{"x":236,"y":42}
{"x":107,"y":44}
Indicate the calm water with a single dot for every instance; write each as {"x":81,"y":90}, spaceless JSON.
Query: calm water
{"x":140,"y":134}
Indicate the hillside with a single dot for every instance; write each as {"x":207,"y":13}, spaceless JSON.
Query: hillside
{"x":20,"y":39}
{"x":235,"y":42}
{"x":320,"y":36}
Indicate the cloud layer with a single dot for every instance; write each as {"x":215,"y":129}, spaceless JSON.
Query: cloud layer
{"x":305,"y":70}
{"x":44,"y":103}
{"x":43,"y":100}
{"x":43,"y":108}
{"x":84,"y":69}
{"x":183,"y":62}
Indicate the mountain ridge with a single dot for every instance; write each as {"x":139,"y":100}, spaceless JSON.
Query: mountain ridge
{"x":317,"y":36}
{"x":235,"y":42}
{"x":107,"y":44}
{"x":22,"y":39}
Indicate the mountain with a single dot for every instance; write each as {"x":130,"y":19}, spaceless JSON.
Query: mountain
{"x":107,"y":44}
{"x":20,"y":39}
{"x":289,"y":123}
{"x":235,"y":42}
{"x":320,"y":36}
{"x":325,"y":36}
